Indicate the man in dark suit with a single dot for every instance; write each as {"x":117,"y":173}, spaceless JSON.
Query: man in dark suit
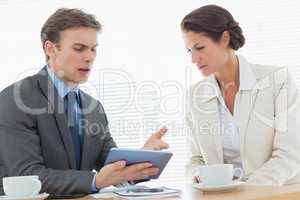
{"x":50,"y":128}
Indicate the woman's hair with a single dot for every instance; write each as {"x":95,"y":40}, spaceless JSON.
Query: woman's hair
{"x":213,"y":20}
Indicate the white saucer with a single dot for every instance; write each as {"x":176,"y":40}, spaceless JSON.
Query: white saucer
{"x":35,"y":197}
{"x":233,"y":185}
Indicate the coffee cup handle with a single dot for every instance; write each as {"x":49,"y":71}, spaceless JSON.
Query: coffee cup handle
{"x":38,"y":185}
{"x":241,"y":173}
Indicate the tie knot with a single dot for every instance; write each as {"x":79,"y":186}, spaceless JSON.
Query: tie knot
{"x":71,"y":95}
{"x":71,"y":98}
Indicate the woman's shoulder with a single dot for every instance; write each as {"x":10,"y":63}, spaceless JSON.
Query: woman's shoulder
{"x":267,"y":69}
{"x":268,"y":72}
{"x":261,"y":69}
{"x":275,"y":74}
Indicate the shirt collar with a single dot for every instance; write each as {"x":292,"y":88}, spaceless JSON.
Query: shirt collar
{"x":247,"y":76}
{"x":62,"y":88}
{"x":248,"y":80}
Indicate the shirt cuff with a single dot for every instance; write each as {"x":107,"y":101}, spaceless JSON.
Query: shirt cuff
{"x":123,"y":184}
{"x":94,"y":188}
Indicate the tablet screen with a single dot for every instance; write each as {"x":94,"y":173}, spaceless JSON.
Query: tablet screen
{"x":158,"y":159}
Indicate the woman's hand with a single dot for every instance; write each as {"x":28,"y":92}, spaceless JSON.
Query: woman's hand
{"x":196,"y":179}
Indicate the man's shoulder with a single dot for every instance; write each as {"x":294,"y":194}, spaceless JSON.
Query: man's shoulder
{"x":22,"y":92}
{"x":26,"y":85}
{"x":17,"y":99}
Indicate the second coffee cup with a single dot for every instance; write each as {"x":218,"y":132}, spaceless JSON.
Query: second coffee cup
{"x":218,"y":174}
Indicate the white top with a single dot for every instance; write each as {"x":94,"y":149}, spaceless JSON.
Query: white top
{"x":229,"y":125}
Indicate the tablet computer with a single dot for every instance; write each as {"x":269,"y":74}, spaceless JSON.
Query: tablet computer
{"x":158,"y":159}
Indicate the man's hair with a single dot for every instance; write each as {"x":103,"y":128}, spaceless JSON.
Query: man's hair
{"x":65,"y":18}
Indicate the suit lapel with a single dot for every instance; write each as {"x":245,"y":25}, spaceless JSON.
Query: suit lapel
{"x":206,"y":96}
{"x":55,"y":104}
{"x":89,"y":119}
{"x":246,"y":104}
{"x":248,"y":98}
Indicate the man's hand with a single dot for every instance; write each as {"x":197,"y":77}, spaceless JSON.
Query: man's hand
{"x":117,"y":172}
{"x":155,"y":142}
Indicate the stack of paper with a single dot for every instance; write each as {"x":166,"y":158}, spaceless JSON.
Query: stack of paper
{"x":138,"y":192}
{"x":148,"y":193}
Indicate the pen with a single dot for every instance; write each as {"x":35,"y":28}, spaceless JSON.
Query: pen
{"x":140,"y":190}
{"x":120,"y":189}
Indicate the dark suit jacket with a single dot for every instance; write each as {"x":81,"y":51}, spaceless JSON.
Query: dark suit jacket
{"x":35,"y":139}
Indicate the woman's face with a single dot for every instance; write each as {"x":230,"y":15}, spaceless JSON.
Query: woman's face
{"x":208,"y":55}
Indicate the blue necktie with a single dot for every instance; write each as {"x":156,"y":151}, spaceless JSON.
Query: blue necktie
{"x":73,"y":124}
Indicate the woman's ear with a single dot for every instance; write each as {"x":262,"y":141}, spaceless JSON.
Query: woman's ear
{"x":225,"y":38}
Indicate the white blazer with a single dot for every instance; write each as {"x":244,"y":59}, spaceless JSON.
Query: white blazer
{"x":269,"y":127}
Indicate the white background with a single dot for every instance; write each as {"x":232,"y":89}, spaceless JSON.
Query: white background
{"x":143,"y":40}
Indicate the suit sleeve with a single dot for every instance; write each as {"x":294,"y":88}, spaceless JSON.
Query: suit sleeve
{"x":284,"y":163}
{"x":21,"y":154}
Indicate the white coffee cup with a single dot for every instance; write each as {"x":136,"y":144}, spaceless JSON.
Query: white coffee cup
{"x":21,"y":186}
{"x":218,"y":174}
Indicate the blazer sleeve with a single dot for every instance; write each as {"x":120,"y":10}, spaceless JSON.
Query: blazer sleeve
{"x":284,"y":163}
{"x":21,"y":153}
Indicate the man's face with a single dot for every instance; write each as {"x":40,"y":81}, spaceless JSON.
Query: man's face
{"x":72,"y":57}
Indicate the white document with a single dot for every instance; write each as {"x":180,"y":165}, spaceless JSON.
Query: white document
{"x":137,"y":192}
{"x":148,"y":193}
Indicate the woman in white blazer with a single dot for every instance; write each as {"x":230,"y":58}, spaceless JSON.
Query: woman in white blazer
{"x":241,"y":113}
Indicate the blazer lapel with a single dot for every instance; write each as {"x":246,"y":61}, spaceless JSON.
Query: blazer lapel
{"x":248,"y":98}
{"x":55,"y":104}
{"x":89,"y":118}
{"x":246,"y":104}
{"x":208,"y":118}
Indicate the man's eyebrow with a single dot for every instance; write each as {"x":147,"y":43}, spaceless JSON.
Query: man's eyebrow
{"x":83,"y":45}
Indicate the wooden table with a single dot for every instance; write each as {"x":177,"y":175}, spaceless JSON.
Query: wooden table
{"x":247,"y":192}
